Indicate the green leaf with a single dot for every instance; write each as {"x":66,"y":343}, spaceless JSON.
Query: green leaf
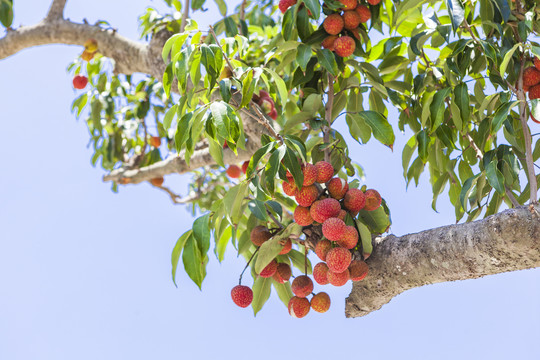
{"x":461,"y":97}
{"x":437,"y":108}
{"x":256,"y":158}
{"x":290,"y":160}
{"x":167,"y":79}
{"x":261,"y":293}
{"x":382,"y":130}
{"x":500,"y":115}
{"x":466,"y":190}
{"x":6,"y":12}
{"x":507,"y":58}
{"x":298,"y":261}
{"x":280,"y":84}
{"x":314,"y":7}
{"x":201,"y":233}
{"x":233,"y":201}
{"x":194,"y":262}
{"x":258,"y":209}
{"x":177,"y":250}
{"x":284,"y":291}
{"x":169,"y":116}
{"x":376,"y":220}
{"x":303,"y":55}
{"x":216,"y":150}
{"x":495,"y":177}
{"x":327,"y":61}
{"x":456,"y":12}
{"x":423,"y":145}
{"x":222,"y":7}
{"x":365,"y":237}
{"x":267,"y":252}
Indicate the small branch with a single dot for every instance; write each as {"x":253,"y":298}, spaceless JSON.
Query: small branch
{"x":511,"y":197}
{"x":479,"y":153}
{"x":328,"y":116}
{"x":185,"y":15}
{"x":223,"y":51}
{"x":56,"y":11}
{"x":177,"y":199}
{"x":251,"y":258}
{"x":264,"y":121}
{"x":242,"y":16}
{"x":274,"y":219}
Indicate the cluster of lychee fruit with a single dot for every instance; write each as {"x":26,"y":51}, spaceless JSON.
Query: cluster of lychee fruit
{"x":343,"y":23}
{"x":531,"y":82}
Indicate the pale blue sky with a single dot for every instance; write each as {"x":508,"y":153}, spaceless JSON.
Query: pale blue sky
{"x":85,"y":273}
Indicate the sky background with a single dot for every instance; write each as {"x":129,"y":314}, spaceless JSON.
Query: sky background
{"x":85,"y":273}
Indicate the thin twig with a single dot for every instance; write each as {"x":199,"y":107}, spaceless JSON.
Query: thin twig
{"x":185,"y":15}
{"x":251,"y":258}
{"x":511,"y":197}
{"x":274,"y":219}
{"x":223,"y":51}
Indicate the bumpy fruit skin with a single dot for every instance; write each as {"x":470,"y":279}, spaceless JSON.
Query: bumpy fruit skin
{"x":302,"y":286}
{"x":534,"y":92}
{"x":349,"y":239}
{"x":286,"y":248}
{"x":289,"y":188}
{"x":298,"y":307}
{"x":349,"y":4}
{"x":333,"y":24}
{"x":242,"y":295}
{"x":269,"y":270}
{"x":285,"y":4}
{"x":307,"y":195}
{"x":373,"y":2}
{"x":344,"y":46}
{"x":351,"y":19}
{"x":328,"y":43}
{"x":155,"y":141}
{"x":310,"y":174}
{"x":325,"y":171}
{"x":245,"y":165}
{"x":531,"y":76}
{"x":324,"y":209}
{"x":259,"y":235}
{"x":338,"y":259}
{"x":342,"y":214}
{"x":333,"y":228}
{"x":338,"y":279}
{"x":283,"y":273}
{"x":337,"y":188}
{"x":91,"y":45}
{"x":354,"y":200}
{"x":322,"y":248}
{"x":302,"y":216}
{"x":320,"y":273}
{"x":373,"y":200}
{"x":80,"y":82}
{"x":536,"y":62}
{"x":157,"y":181}
{"x":320,"y":302}
{"x":364,"y":13}
{"x":358,"y":270}
{"x":234,"y":171}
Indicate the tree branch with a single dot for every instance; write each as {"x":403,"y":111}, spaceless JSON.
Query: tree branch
{"x":56,"y":10}
{"x":507,"y":241}
{"x":185,"y":15}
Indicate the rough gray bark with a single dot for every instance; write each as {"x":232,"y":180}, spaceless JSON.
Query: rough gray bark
{"x":507,"y":241}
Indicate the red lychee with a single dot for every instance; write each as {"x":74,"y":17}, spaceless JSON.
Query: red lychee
{"x":298,"y":307}
{"x":269,"y":270}
{"x":302,"y":216}
{"x":342,"y":214}
{"x":322,"y":248}
{"x":245,"y":165}
{"x":286,"y":248}
{"x":348,"y":4}
{"x":358,"y":270}
{"x":326,"y":171}
{"x":259,"y":235}
{"x":351,"y":19}
{"x":328,"y":43}
{"x":350,"y":238}
{"x":338,"y":279}
{"x":289,"y":188}
{"x":373,"y":200}
{"x":242,"y":295}
{"x":536,"y":62}
{"x":157,"y":181}
{"x":80,"y":82}
{"x":373,"y":2}
{"x":310,"y":174}
{"x":344,"y":46}
{"x":534,"y":92}
{"x":338,"y":259}
{"x":320,"y":273}
{"x":333,"y":24}
{"x":531,"y":76}
{"x":155,"y":141}
{"x":285,"y":4}
{"x":273,"y":114}
{"x":324,"y":209}
{"x":307,"y":195}
{"x":320,"y":302}
{"x":364,"y":13}
{"x":354,"y":200}
{"x":333,"y":228}
{"x":234,"y":171}
{"x":302,"y":286}
{"x":337,"y":188}
{"x":283,"y":273}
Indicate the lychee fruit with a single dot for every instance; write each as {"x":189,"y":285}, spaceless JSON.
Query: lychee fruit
{"x":87,"y":56}
{"x":338,"y":259}
{"x":344,"y":46}
{"x":531,"y":76}
{"x":273,"y":114}
{"x":289,"y":188}
{"x":337,"y":187}
{"x":302,"y":216}
{"x":310,"y":174}
{"x":333,"y":228}
{"x":283,"y":273}
{"x":245,"y":165}
{"x":373,"y":200}
{"x":342,"y":214}
{"x":269,"y":270}
{"x":285,"y":4}
{"x":286,"y":248}
{"x":534,"y":92}
{"x":320,"y":302}
{"x":348,"y":4}
{"x":320,"y":273}
{"x":373,"y":2}
{"x":234,"y":171}
{"x":325,"y":171}
{"x":157,"y":181}
{"x":298,"y":307}
{"x":328,"y":43}
{"x":354,"y":200}
{"x":536,"y":62}
{"x":242,"y":295}
{"x":324,"y":209}
{"x":322,"y":248}
{"x":358,"y":270}
{"x":351,"y":19}
{"x":302,"y":286}
{"x":307,"y":195}
{"x":350,"y":238}
{"x":80,"y":81}
{"x":91,"y":45}
{"x":259,"y":235}
{"x":338,"y":279}
{"x":333,"y":24}
{"x":364,"y":13}
{"x":155,"y":141}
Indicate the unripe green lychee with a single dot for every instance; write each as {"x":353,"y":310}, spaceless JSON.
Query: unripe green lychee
{"x":348,"y":4}
{"x":350,"y":238}
{"x":242,"y":295}
{"x":322,"y":248}
{"x":326,"y":171}
{"x":289,"y":188}
{"x":283,"y":273}
{"x":364,"y":13}
{"x":338,"y":259}
{"x":333,"y":24}
{"x":358,"y":270}
{"x":373,"y":200}
{"x":302,"y":216}
{"x":354,"y":200}
{"x":333,"y":228}
{"x":344,"y":46}
{"x":302,"y":286}
{"x":337,"y":187}
{"x":298,"y":307}
{"x":320,"y":302}
{"x":324,"y":209}
{"x":351,"y":19}
{"x":338,"y":279}
{"x":310,"y":174}
{"x":269,"y":270}
{"x":320,"y":273}
{"x":307,"y":195}
{"x":328,"y":43}
{"x":286,"y":248}
{"x":259,"y":235}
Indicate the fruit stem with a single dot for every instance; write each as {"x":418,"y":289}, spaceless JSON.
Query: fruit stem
{"x":249,"y":261}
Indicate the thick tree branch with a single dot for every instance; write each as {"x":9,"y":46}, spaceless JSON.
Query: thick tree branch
{"x":507,"y":241}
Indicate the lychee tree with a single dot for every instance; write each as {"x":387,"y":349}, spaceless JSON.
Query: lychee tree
{"x":249,"y":105}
